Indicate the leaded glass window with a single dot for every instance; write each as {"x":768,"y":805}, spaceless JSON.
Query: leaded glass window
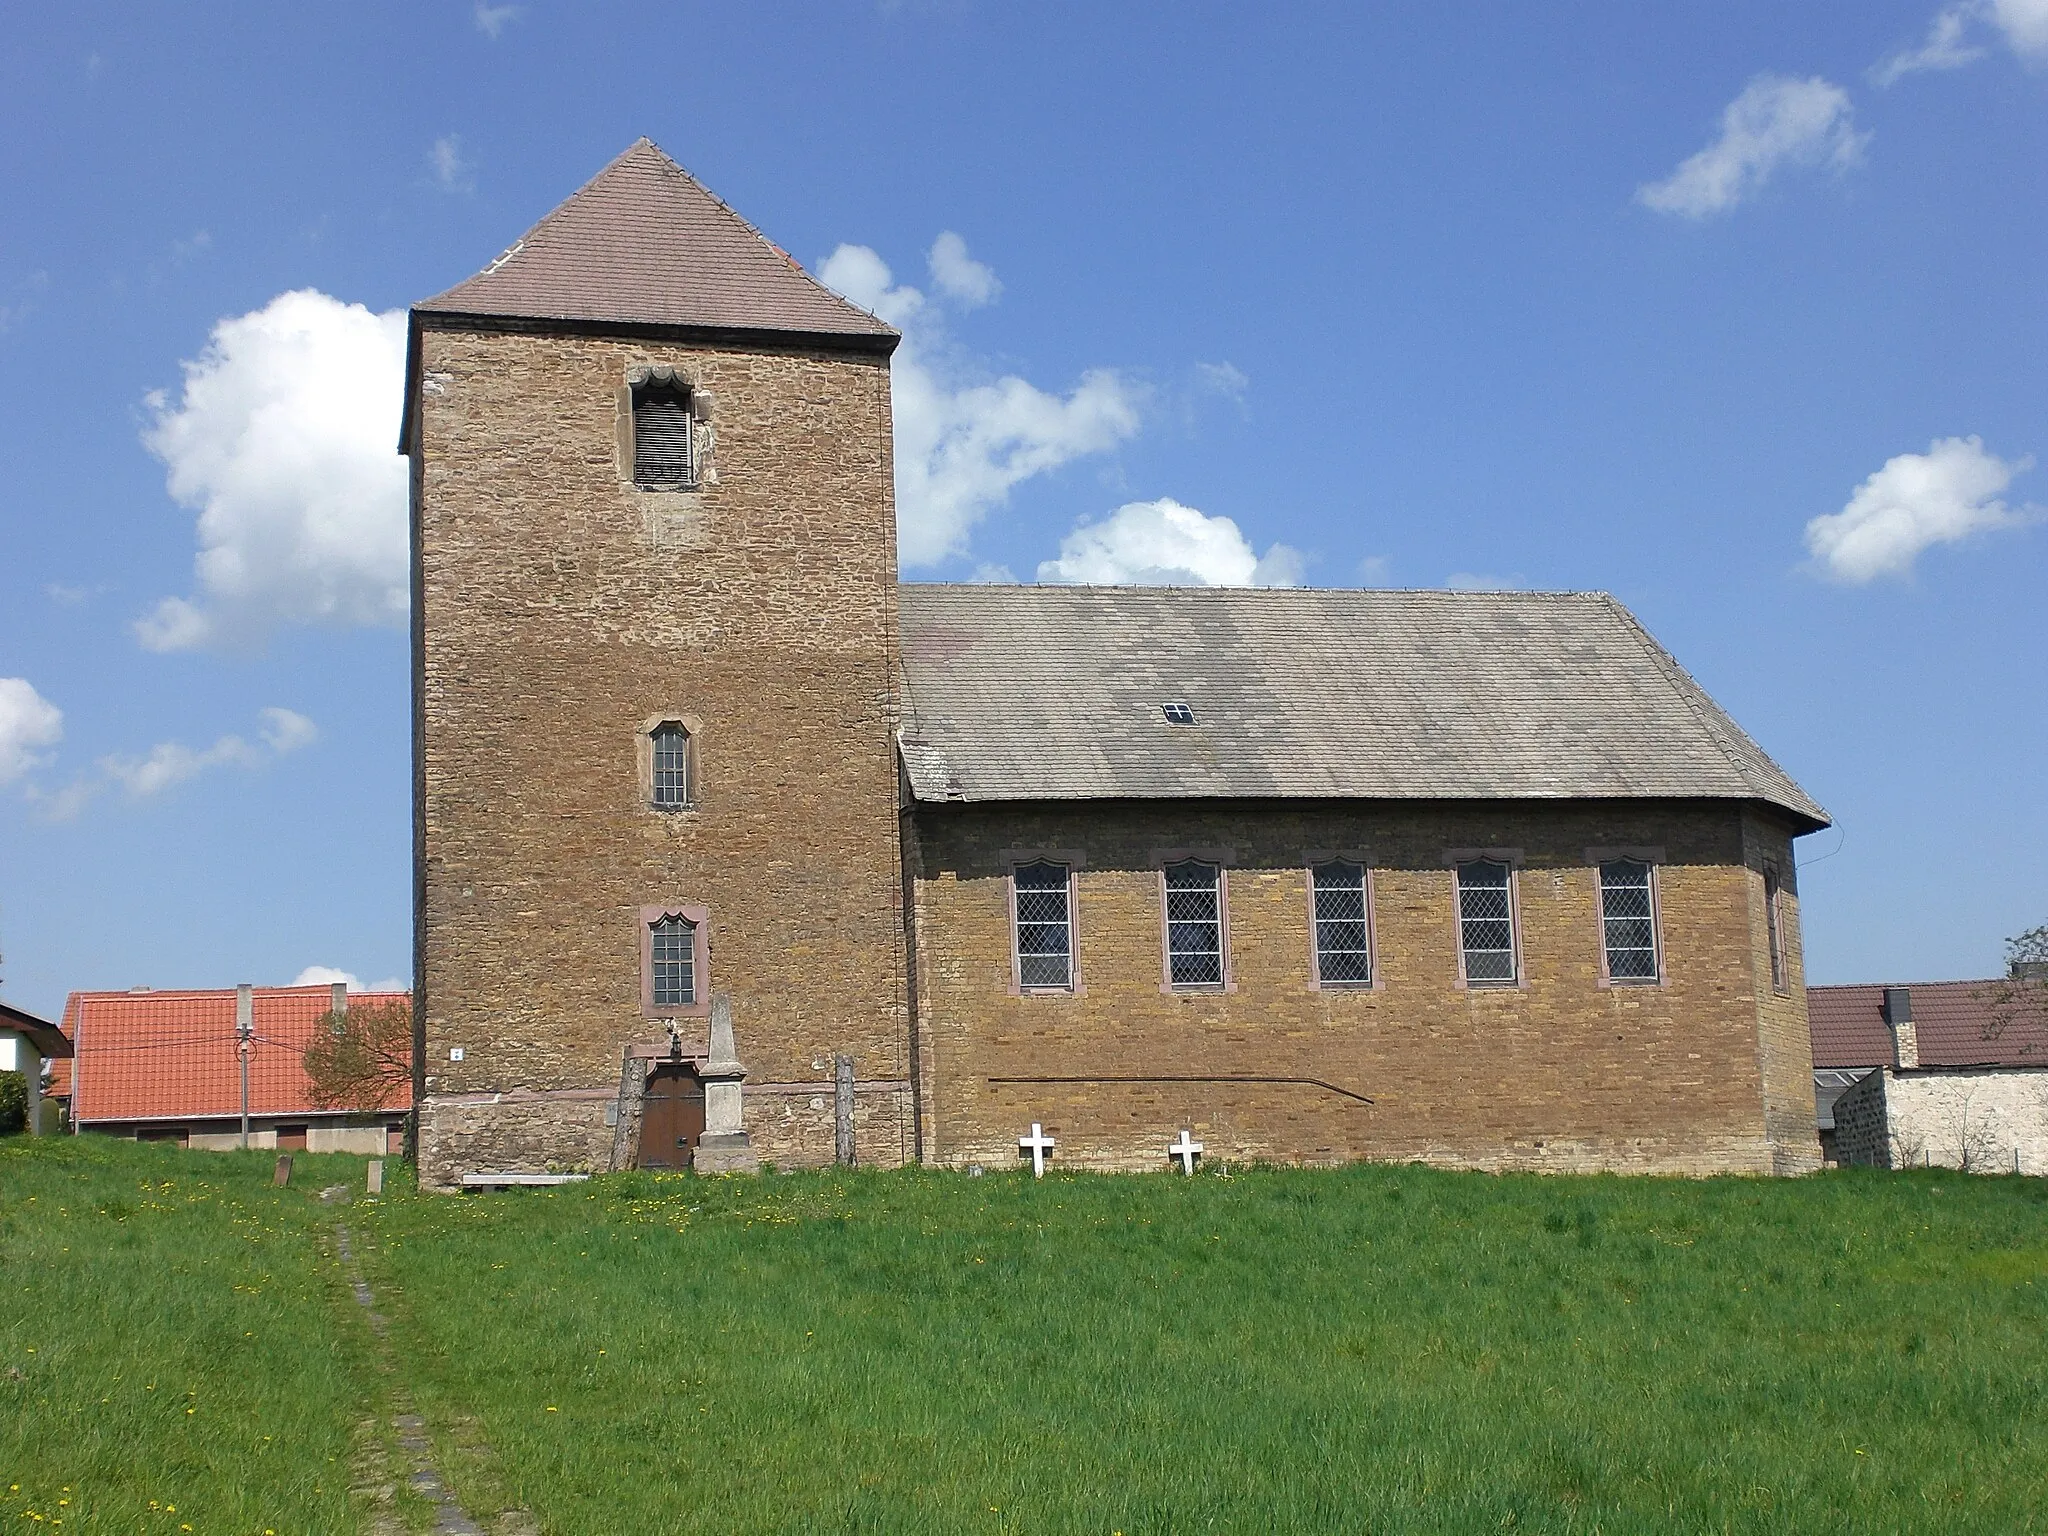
{"x":671,"y":766}
{"x":1045,"y":925}
{"x":1486,"y":922}
{"x":675,"y":962}
{"x":662,"y":436}
{"x":1628,"y":920}
{"x":1343,"y":938}
{"x":1773,"y":933}
{"x":1194,"y":924}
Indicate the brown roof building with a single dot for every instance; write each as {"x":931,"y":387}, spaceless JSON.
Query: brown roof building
{"x":1481,"y":878}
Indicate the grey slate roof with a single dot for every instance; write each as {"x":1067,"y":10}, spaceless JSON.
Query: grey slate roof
{"x":644,"y":243}
{"x":1054,"y":693}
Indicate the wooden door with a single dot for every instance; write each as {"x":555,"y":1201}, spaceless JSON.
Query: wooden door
{"x":291,"y":1138}
{"x":671,"y":1117}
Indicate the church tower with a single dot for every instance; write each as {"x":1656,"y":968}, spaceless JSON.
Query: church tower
{"x":654,"y":696}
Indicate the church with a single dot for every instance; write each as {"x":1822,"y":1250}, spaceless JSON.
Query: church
{"x":733,"y":851}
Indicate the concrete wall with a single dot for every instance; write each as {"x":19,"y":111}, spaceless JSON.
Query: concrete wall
{"x":375,"y":1138}
{"x":559,"y":611}
{"x":1709,"y":1071}
{"x":1985,"y":1120}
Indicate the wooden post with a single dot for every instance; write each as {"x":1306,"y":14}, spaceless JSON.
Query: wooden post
{"x":842,"y":1110}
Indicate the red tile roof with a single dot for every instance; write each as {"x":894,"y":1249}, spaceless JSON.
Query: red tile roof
{"x":171,"y":1055}
{"x":1953,"y":1023}
{"x":644,"y":243}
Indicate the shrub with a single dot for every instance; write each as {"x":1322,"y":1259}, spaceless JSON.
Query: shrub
{"x":13,"y":1103}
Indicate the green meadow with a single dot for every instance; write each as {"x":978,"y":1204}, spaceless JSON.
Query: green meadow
{"x":1372,"y":1349}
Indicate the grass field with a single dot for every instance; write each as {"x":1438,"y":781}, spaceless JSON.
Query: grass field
{"x":1381,"y":1348}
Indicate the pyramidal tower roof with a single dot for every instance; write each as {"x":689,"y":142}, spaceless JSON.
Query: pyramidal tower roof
{"x":645,"y":244}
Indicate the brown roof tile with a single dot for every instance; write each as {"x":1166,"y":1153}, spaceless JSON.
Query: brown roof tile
{"x":645,"y":244}
{"x":1953,"y":1024}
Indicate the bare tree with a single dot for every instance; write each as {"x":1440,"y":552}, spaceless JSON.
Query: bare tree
{"x":361,"y":1058}
{"x":2022,"y":993}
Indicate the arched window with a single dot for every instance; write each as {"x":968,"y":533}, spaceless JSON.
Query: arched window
{"x":673,"y":962}
{"x":1194,"y":924}
{"x":1042,"y":896}
{"x":1343,"y":929}
{"x":671,"y":778}
{"x":1628,"y":920}
{"x":1486,"y":923}
{"x":663,"y":443}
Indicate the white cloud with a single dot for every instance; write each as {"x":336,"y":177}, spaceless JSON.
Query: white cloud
{"x":28,"y":724}
{"x":2025,"y":25}
{"x":988,"y":573}
{"x":1774,"y":122}
{"x":170,"y":763}
{"x":1474,"y":581}
{"x":1945,"y":48}
{"x":286,"y":730}
{"x":327,"y":976}
{"x":1162,"y":543}
{"x":1375,"y":571}
{"x":1917,"y":500}
{"x":285,"y":441}
{"x":959,"y":276}
{"x":963,"y":439}
{"x":451,"y":171}
{"x":491,"y":19}
{"x":1225,"y":379}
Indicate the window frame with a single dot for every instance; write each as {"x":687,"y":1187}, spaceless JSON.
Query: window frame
{"x":1457,"y":858}
{"x":1074,"y":861}
{"x":1312,"y":860}
{"x":693,"y":761}
{"x":700,"y":920}
{"x":1654,"y":858}
{"x":666,"y":381}
{"x":1774,"y":930}
{"x":1221,"y":859}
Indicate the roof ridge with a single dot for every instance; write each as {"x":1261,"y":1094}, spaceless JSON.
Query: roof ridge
{"x":1447,"y":593}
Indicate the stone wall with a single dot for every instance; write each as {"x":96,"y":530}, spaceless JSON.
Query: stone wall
{"x":1862,"y":1136}
{"x":1983,"y":1120}
{"x":559,"y":611}
{"x":1708,"y":1071}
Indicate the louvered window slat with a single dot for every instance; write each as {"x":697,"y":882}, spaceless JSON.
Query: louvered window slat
{"x":661,"y":437}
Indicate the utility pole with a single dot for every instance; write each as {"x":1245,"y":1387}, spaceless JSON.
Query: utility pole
{"x":245,"y":1029}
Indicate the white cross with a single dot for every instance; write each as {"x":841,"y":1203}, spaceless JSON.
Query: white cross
{"x":1037,"y":1144}
{"x":1187,"y":1150}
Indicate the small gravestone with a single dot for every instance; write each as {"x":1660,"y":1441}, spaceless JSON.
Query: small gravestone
{"x":375,"y":1178}
{"x":283,"y":1175}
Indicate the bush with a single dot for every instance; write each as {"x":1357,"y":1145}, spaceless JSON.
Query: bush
{"x":13,"y":1103}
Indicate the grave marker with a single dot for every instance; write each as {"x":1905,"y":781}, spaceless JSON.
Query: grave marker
{"x":1037,"y":1144}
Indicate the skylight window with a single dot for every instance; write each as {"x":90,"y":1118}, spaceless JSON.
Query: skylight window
{"x":1178,"y":714}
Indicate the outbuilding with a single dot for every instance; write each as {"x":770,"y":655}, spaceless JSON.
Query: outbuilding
{"x":26,"y":1042}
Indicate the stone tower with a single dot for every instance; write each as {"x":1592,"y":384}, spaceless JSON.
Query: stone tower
{"x":654,"y":694}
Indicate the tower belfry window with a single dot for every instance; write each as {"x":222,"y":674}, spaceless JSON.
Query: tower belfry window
{"x":662,"y":436}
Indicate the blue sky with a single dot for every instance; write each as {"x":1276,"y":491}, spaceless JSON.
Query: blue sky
{"x":1601,"y":296}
